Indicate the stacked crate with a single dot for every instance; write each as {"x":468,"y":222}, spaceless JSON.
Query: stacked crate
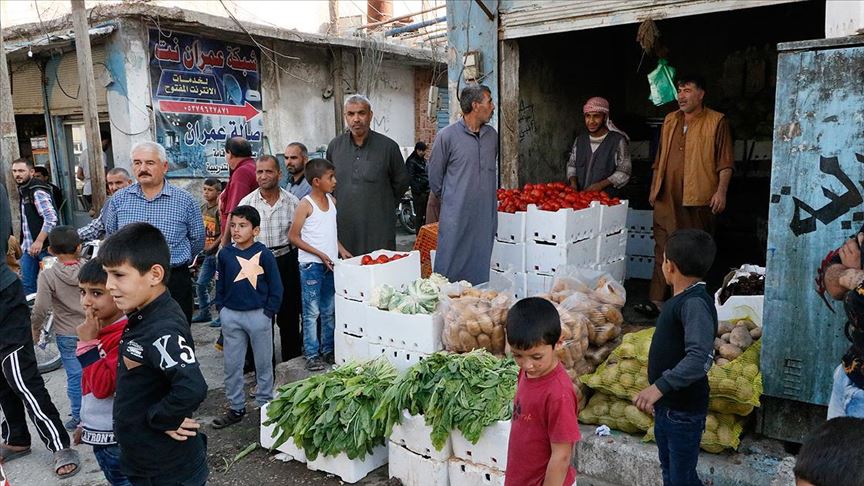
{"x":640,"y":244}
{"x":507,"y":266}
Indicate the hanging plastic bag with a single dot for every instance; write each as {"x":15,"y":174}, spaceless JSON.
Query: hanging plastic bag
{"x":662,"y":83}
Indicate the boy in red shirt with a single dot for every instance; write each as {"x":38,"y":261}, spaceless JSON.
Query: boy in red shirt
{"x":544,"y":427}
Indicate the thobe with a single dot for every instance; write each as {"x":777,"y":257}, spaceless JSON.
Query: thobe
{"x":463,"y":174}
{"x":370,"y":180}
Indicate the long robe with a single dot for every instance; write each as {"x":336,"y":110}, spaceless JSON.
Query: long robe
{"x":463,"y":174}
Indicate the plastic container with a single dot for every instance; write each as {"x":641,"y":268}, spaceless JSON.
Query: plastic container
{"x":356,"y":282}
{"x":640,"y":220}
{"x":640,"y":267}
{"x":464,"y":473}
{"x":415,"y":332}
{"x":502,"y":280}
{"x":613,"y":218}
{"x":640,"y":244}
{"x":611,"y":248}
{"x":350,"y":470}
{"x":415,"y":470}
{"x":546,"y":259}
{"x":511,"y":227}
{"x":350,"y":316}
{"x":562,"y":226}
{"x":413,"y":434}
{"x":267,"y":440}
{"x":401,"y":359}
{"x":508,"y":256}
{"x":616,"y":269}
{"x":537,"y":284}
{"x":489,"y":451}
{"x":350,"y":348}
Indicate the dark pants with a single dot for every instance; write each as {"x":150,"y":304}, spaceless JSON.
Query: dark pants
{"x":678,"y":434}
{"x":108,"y":457}
{"x":288,"y":318}
{"x":22,"y":386}
{"x":421,"y":200}
{"x":181,"y":288}
{"x":195,"y":475}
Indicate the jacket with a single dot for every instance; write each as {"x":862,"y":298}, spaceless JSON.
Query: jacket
{"x":238,"y":293}
{"x":98,"y":360}
{"x":419,"y":179}
{"x":30,"y":214}
{"x":57,"y":291}
{"x":241,"y":182}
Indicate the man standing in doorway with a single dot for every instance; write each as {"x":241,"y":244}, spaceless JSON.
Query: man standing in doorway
{"x":241,"y":180}
{"x":463,"y":174}
{"x":276,"y":207}
{"x":372,"y":179}
{"x":691,"y":173}
{"x":416,"y":165}
{"x":296,"y":157}
{"x":600,"y":159}
{"x":38,"y":218}
{"x":117,"y":178}
{"x":41,"y":173}
{"x":167,"y":207}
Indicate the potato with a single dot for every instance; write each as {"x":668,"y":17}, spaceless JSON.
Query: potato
{"x":499,"y":339}
{"x":641,"y":382}
{"x":627,"y":380}
{"x":722,"y":362}
{"x":566,"y":334}
{"x":740,"y":336}
{"x":473,"y":327}
{"x":750,"y":324}
{"x":756,"y":333}
{"x":595,"y":380}
{"x":727,"y":386}
{"x":711,"y":423}
{"x":452,"y":336}
{"x":730,"y":351}
{"x":597,"y":317}
{"x":485,"y":341}
{"x":613,"y":315}
{"x":724,"y":327}
{"x":486,"y":324}
{"x":630,"y":365}
{"x":724,"y":435}
{"x":471,"y":292}
{"x":617,"y":409}
{"x":467,"y":341}
{"x":725,"y":337}
{"x":610,"y":375}
{"x":750,"y":371}
{"x":717,"y":343}
{"x":709,"y":436}
{"x":627,"y":350}
{"x":545,"y":295}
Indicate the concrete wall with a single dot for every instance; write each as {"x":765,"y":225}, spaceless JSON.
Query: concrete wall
{"x":393,"y":103}
{"x":469,"y":29}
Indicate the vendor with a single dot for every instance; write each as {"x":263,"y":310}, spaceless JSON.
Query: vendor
{"x":600,"y":159}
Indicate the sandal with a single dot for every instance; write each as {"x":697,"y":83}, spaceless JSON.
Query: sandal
{"x":8,"y":454}
{"x":647,"y":309}
{"x":66,"y":457}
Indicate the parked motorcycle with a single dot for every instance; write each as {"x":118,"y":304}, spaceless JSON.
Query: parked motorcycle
{"x":405,"y":214}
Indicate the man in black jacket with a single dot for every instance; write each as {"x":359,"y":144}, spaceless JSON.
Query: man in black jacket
{"x":416,"y":166}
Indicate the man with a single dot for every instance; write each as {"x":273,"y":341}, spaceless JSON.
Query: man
{"x":691,"y":174}
{"x":600,"y":159}
{"x":296,"y":157}
{"x":241,"y":180}
{"x":21,"y":382}
{"x":276,"y":207}
{"x":372,"y":179}
{"x":171,"y":209}
{"x":463,"y":175}
{"x":38,"y":218}
{"x":416,"y":165}
{"x":41,"y":173}
{"x":117,"y":178}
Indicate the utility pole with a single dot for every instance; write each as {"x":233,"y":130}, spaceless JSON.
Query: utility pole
{"x":88,"y":102}
{"x":8,"y":136}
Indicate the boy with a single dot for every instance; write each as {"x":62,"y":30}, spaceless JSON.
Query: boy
{"x":248,"y":295}
{"x":57,"y":290}
{"x":159,"y":383}
{"x":212,"y":232}
{"x":681,"y":354}
{"x":314,"y":234}
{"x":99,"y":337}
{"x":544,"y":427}
{"x":829,"y":456}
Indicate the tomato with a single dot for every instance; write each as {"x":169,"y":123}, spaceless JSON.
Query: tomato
{"x":382,"y":259}
{"x":366,"y":260}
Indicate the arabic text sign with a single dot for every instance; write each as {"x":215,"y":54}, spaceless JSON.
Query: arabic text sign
{"x":204,"y":92}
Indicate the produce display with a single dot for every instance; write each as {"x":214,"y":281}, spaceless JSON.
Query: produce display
{"x":382,"y":258}
{"x":733,"y":338}
{"x":475,"y":319}
{"x":616,"y":413}
{"x":722,"y":432}
{"x":751,"y":284}
{"x":550,"y":197}
{"x":332,"y":413}
{"x":420,"y":297}
{"x":738,"y":381}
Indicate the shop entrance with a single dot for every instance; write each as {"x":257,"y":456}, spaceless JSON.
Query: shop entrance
{"x":76,"y":174}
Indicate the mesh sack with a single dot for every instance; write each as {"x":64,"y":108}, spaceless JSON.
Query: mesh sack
{"x":722,"y":432}
{"x":622,"y":378}
{"x":635,"y":345}
{"x":740,"y":380}
{"x":595,"y":355}
{"x":726,"y":406}
{"x":618,"y":414}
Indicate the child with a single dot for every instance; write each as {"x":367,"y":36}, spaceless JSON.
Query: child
{"x":212,"y":233}
{"x":314,"y":233}
{"x":544,"y":427}
{"x":248,"y":295}
{"x":681,"y":354}
{"x":829,"y":456}
{"x":159,"y":382}
{"x":57,"y":290}
{"x":99,"y":337}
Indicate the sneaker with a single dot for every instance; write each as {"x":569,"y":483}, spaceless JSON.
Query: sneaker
{"x":230,"y":417}
{"x":201,"y":316}
{"x":216,"y":323}
{"x":329,"y":358}
{"x":72,"y":424}
{"x":314,"y":364}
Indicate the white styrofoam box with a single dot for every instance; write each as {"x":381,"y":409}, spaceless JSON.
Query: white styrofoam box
{"x":611,"y":248}
{"x":350,"y":348}
{"x":401,"y":359}
{"x":761,"y":150}
{"x":616,"y":269}
{"x":267,"y":440}
{"x":415,"y":332}
{"x":464,"y":473}
{"x":489,"y":451}
{"x":547,"y":259}
{"x":508,"y":256}
{"x":640,"y":150}
{"x":518,"y":281}
{"x":562,"y":226}
{"x":356,"y":282}
{"x":350,"y":316}
{"x":416,"y":436}
{"x":415,"y":470}
{"x":350,"y":470}
{"x":613,"y":218}
{"x":640,"y":220}
{"x":640,"y":267}
{"x":537,"y":284}
{"x":511,"y":227}
{"x":640,"y":244}
{"x":740,"y":306}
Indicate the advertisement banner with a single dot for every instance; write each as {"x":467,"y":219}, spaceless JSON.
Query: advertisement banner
{"x":204,"y":92}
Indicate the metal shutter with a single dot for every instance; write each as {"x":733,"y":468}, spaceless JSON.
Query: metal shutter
{"x":67,"y":74}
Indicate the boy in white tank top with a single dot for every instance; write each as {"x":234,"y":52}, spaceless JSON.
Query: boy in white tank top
{"x":314,"y":234}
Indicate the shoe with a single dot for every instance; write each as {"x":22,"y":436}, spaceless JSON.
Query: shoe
{"x":72,"y":424}
{"x":201,"y":316}
{"x":215,"y":323}
{"x":329,"y":358}
{"x":314,"y":364}
{"x":230,"y":417}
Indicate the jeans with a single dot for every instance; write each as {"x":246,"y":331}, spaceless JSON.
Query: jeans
{"x":197,"y":473}
{"x":67,"y":345}
{"x":30,"y":270}
{"x":847,"y":400}
{"x":319,"y":293}
{"x":205,"y":276}
{"x":678,"y":434}
{"x":108,"y":457}
{"x":239,"y":329}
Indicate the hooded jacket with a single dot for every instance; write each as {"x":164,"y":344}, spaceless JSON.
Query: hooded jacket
{"x":57,"y":291}
{"x":98,"y":359}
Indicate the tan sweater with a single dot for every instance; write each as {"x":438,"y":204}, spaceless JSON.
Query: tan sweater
{"x":57,"y":291}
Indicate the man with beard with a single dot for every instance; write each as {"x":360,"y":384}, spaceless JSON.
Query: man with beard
{"x":38,"y":218}
{"x":600,"y":159}
{"x":296,"y":157}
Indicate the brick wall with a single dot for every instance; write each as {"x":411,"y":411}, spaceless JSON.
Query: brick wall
{"x":425,"y":126}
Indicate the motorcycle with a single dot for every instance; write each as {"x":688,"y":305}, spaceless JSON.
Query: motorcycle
{"x":405,"y":214}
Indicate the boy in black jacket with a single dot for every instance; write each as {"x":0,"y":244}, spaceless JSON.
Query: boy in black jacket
{"x":159,"y":383}
{"x":682,"y":352}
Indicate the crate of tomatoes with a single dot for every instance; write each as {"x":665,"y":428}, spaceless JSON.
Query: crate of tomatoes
{"x":356,"y":277}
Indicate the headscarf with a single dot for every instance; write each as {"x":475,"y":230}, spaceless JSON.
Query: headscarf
{"x":598,"y":104}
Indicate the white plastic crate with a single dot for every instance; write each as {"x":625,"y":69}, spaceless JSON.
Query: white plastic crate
{"x":611,"y":248}
{"x":350,"y":316}
{"x":562,"y":226}
{"x":464,"y":473}
{"x":489,"y":451}
{"x":267,"y":440}
{"x":502,"y":280}
{"x":415,"y":470}
{"x":508,"y":256}
{"x":546,"y":259}
{"x":511,"y":227}
{"x":350,"y":470}
{"x":415,"y":332}
{"x":640,"y":220}
{"x":413,"y":434}
{"x":640,"y":267}
{"x":349,"y":348}
{"x":641,"y":244}
{"x":613,"y":218}
{"x":356,"y":282}
{"x":616,"y":269}
{"x":537,"y":284}
{"x":741,"y":305}
{"x":401,"y":359}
